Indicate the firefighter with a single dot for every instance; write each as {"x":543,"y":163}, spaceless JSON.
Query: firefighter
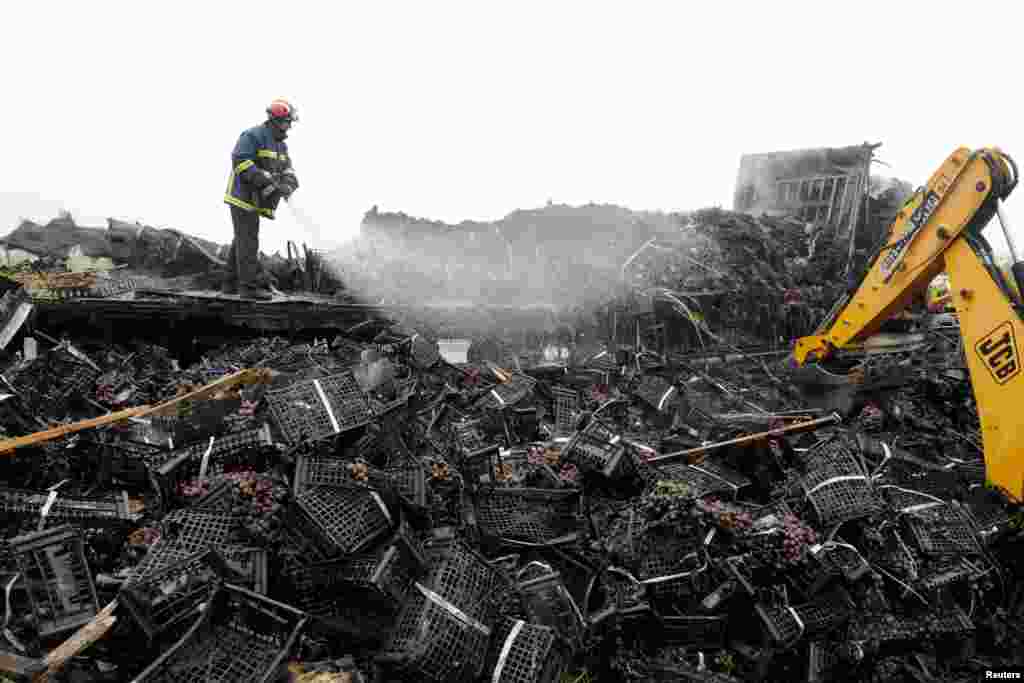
{"x":261,"y":175}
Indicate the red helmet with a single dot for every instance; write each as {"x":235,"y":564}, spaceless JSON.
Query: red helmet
{"x":282,"y":109}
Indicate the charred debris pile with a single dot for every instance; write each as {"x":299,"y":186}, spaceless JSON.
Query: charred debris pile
{"x":361,"y":509}
{"x":61,"y":260}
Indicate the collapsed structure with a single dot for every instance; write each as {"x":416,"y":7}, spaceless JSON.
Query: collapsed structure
{"x":630,"y":490}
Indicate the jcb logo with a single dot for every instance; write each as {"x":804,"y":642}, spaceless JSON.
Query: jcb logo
{"x":923,"y":212}
{"x":998,"y":351}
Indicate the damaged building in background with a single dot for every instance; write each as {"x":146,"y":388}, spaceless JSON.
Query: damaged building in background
{"x":823,"y":186}
{"x":830,"y":189}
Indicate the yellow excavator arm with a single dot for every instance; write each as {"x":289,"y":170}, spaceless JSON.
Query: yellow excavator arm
{"x":939,"y":230}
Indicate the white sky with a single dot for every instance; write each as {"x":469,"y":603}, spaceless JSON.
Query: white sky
{"x":469,"y":110}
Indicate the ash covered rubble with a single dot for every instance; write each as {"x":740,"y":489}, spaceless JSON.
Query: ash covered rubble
{"x":361,"y":508}
{"x":367,"y":510}
{"x":64,"y":261}
{"x":754,"y":280}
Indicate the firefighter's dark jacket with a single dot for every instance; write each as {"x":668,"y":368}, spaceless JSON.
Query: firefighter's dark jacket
{"x":257,"y":151}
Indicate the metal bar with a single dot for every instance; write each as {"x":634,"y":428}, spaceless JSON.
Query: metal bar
{"x":696,"y":455}
{"x":1004,"y":222}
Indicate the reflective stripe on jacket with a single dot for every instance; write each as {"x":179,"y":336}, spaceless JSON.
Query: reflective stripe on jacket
{"x":256,"y":151}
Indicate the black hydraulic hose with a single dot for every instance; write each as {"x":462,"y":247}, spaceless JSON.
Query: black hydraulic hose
{"x":983,"y":250}
{"x":1016,"y":176}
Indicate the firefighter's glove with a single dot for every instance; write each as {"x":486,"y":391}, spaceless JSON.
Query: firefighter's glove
{"x":262,"y":179}
{"x":288,"y":183}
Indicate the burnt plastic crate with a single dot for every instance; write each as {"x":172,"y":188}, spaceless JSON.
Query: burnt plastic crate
{"x":812,"y":578}
{"x":736,"y":481}
{"x":699,"y":480}
{"x":988,"y":512}
{"x":221,"y":497}
{"x":656,"y":392}
{"x":319,"y":408}
{"x":837,"y":485}
{"x":242,"y":637}
{"x":249,"y":565}
{"x":972,"y":473}
{"x":525,"y":516}
{"x":665,"y":550}
{"x":316,"y":590}
{"x":567,"y":407}
{"x":196,"y":530}
{"x":468,"y":436}
{"x":597,"y":448}
{"x":174,"y":594}
{"x":846,"y":560}
{"x":53,"y":566}
{"x":340,"y":520}
{"x":524,"y":653}
{"x":944,"y":530}
{"x":298,"y":358}
{"x":549,"y":603}
{"x":321,"y":470}
{"x":387,"y":573}
{"x":85,"y":512}
{"x":15,"y":417}
{"x":48,"y":384}
{"x":170,"y":470}
{"x":681,"y":672}
{"x":822,"y":661}
{"x":907,"y":500}
{"x":365,"y":589}
{"x":184,"y":533}
{"x":948,"y":571}
{"x":506,"y":394}
{"x":888,"y":628}
{"x":696,"y":631}
{"x":436,"y":640}
{"x":410,"y":483}
{"x":927,"y":478}
{"x":197,"y":421}
{"x":480,"y":466}
{"x":462,"y":575}
{"x":744,"y":570}
{"x":787,"y":625}
{"x":126,"y":461}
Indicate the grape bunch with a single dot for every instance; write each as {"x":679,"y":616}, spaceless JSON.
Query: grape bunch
{"x":146,"y":536}
{"x":439,"y":471}
{"x":256,"y":494}
{"x":667,"y":506}
{"x":258,"y":490}
{"x":725,"y":517}
{"x":359,"y":471}
{"x":871,"y":418}
{"x":888,"y":669}
{"x":504,"y":472}
{"x":105,"y":393}
{"x":797,"y":538}
{"x":535,"y":455}
{"x":194,"y":488}
{"x":247,"y":408}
